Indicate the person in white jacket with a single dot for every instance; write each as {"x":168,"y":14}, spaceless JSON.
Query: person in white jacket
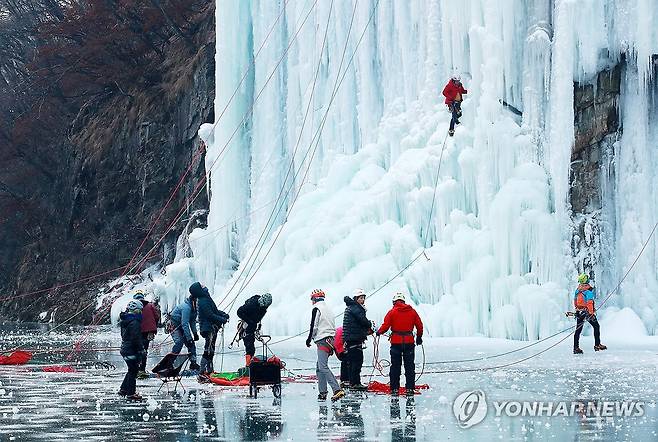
{"x":322,"y":332}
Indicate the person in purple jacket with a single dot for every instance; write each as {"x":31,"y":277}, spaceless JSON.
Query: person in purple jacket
{"x":150,"y":320}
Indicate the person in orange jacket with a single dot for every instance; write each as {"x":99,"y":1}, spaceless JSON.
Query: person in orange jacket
{"x":583,"y":301}
{"x":402,"y":319}
{"x":454,"y":92}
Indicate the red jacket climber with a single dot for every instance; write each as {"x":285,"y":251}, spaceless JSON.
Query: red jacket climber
{"x":454,"y":90}
{"x":402,"y":319}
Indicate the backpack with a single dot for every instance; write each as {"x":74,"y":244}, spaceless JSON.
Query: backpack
{"x":169,"y":326}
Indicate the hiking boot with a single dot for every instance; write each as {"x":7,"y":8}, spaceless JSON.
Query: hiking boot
{"x":194,"y":366}
{"x":122,"y":393}
{"x":410,"y":392}
{"x":600,"y":347}
{"x":344,"y":384}
{"x":359,"y":387}
{"x":337,"y":395}
{"x":395,"y":391}
{"x":134,"y":397}
{"x":142,"y":375}
{"x":577,"y":351}
{"x":451,"y":132}
{"x":322,"y":396}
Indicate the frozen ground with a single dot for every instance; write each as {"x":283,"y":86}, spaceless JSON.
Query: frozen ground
{"x":83,"y":406}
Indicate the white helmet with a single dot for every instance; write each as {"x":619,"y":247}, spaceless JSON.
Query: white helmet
{"x":456,"y":75}
{"x":399,"y":296}
{"x":358,"y":293}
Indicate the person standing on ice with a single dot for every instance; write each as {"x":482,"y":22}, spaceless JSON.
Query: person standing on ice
{"x":183,"y":319}
{"x":150,"y":320}
{"x":583,"y":301}
{"x":132,"y":349}
{"x":454,"y":91}
{"x":356,"y":328}
{"x":211,"y":320}
{"x":322,"y":331}
{"x":251,"y":313}
{"x":401,"y":320}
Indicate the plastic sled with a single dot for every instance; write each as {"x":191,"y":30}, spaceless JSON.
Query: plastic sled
{"x":229,"y":379}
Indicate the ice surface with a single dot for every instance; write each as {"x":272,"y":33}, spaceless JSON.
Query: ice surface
{"x":497,"y":245}
{"x":84,"y":405}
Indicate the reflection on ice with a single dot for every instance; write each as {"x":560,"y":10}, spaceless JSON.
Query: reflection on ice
{"x":83,"y":405}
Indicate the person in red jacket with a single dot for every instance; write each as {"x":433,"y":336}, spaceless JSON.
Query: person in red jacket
{"x":454,"y":91}
{"x":150,"y":320}
{"x":402,"y":319}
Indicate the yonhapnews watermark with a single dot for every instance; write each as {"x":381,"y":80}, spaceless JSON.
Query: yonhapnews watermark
{"x":471,"y":407}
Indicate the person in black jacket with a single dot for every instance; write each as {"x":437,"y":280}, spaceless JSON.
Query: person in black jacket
{"x":211,"y":319}
{"x":251,"y":313}
{"x":132,"y":348}
{"x":356,"y":328}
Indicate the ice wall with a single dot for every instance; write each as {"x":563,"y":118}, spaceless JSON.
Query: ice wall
{"x":329,"y":180}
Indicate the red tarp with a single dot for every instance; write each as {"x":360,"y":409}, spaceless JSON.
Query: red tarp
{"x":378,"y":387}
{"x":59,"y":369}
{"x":238,"y":382}
{"x":18,"y":357}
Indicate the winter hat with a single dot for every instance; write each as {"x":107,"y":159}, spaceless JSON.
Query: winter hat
{"x":139,"y":295}
{"x":358,"y":293}
{"x":265,"y":300}
{"x":134,"y":306}
{"x":196,"y":290}
{"x":317,"y":295}
{"x":398,"y":297}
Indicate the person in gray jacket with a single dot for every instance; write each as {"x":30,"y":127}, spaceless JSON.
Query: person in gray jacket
{"x":183,"y":318}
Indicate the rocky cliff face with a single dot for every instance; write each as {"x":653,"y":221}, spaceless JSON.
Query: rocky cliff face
{"x":123,"y":161}
{"x":597,"y":127}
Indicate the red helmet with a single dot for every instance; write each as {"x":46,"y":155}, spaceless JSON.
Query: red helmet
{"x":317,"y":295}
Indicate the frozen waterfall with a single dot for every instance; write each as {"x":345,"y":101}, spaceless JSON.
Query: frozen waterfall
{"x":322,"y":168}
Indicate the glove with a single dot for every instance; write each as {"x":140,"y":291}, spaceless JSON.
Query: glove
{"x":419,"y":340}
{"x":308,"y":342}
{"x":196,"y":337}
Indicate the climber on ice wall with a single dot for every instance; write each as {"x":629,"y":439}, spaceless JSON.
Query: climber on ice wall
{"x":454,"y":92}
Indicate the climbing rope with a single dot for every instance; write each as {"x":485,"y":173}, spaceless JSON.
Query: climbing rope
{"x":196,"y":192}
{"x":176,"y":188}
{"x":251,"y":259}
